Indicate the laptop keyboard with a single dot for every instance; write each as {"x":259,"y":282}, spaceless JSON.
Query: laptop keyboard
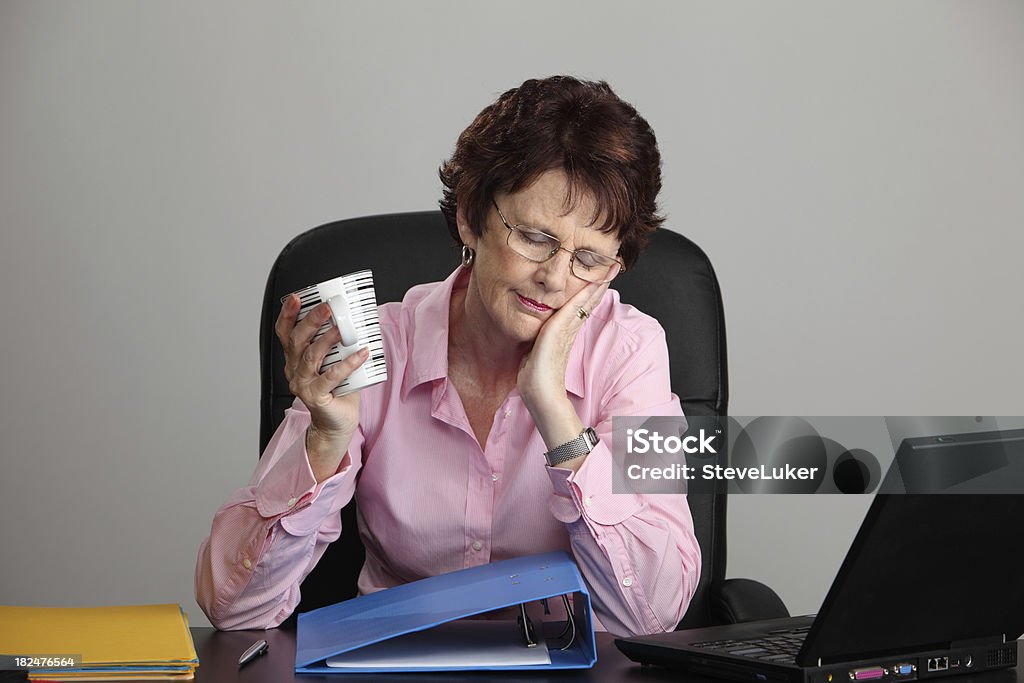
{"x":778,"y":647}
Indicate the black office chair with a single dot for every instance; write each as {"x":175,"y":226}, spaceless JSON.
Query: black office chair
{"x":673,"y":281}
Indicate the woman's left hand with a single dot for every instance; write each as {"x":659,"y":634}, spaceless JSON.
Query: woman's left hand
{"x":541,"y":379}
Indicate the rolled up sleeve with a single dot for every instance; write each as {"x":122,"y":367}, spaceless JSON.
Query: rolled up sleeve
{"x":270,"y":534}
{"x":637,"y":552}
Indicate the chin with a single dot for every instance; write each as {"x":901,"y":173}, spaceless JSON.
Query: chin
{"x":524,"y":329}
{"x":526,"y":334}
{"x":515,"y":325}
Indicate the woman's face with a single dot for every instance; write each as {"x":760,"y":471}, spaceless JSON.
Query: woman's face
{"x":515,"y":295}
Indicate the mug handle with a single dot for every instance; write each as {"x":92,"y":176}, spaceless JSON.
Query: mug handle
{"x":343,"y":319}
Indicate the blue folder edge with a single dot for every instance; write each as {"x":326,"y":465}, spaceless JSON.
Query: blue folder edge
{"x":423,"y":604}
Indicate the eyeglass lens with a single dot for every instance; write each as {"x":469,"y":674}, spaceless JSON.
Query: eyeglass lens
{"x":539,"y":247}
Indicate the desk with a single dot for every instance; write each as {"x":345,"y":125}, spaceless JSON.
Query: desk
{"x":219,"y":652}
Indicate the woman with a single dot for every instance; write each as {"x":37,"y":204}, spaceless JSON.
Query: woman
{"x":491,"y":437}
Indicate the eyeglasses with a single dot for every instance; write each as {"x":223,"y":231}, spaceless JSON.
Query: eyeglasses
{"x":539,"y":247}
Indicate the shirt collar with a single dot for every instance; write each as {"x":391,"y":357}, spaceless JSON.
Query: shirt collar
{"x":428,"y":353}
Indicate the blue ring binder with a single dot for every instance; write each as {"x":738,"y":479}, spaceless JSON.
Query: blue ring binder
{"x":368,"y":619}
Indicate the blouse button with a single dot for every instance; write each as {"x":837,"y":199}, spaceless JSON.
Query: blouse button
{"x":246,"y":563}
{"x":477,"y":545}
{"x":627,"y":582}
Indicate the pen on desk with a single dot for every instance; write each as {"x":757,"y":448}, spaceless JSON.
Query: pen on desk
{"x":254,"y":651}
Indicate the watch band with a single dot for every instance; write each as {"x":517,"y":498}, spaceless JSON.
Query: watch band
{"x":581,"y":445}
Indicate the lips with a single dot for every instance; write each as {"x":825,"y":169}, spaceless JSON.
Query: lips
{"x":533,"y":305}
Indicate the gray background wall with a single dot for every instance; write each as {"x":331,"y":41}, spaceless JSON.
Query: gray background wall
{"x":854,"y":171}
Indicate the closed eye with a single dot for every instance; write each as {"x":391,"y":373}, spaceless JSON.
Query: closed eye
{"x":589,"y":259}
{"x":534,"y":237}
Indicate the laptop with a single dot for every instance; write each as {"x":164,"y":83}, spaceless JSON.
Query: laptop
{"x":932,"y":586}
{"x":903,"y":427}
{"x":974,"y":462}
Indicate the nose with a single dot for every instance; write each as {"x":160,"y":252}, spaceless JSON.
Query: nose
{"x":554,"y":273}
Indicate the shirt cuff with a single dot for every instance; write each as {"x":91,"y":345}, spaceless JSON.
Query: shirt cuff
{"x":588,"y":492}
{"x":562,"y":505}
{"x":289,"y":485}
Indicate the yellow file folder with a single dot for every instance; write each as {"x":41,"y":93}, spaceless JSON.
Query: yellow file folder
{"x":137,"y":641}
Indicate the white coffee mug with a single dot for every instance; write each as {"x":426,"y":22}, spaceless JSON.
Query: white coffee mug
{"x":353,"y":306}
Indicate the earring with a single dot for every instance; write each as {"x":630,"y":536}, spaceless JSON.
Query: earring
{"x":468,"y":256}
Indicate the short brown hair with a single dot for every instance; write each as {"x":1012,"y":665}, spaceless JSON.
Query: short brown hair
{"x":605,"y":148}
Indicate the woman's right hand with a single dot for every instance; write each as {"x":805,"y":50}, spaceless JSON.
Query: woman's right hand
{"x":333,"y":419}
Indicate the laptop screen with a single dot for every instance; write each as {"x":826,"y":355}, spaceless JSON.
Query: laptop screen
{"x":923,"y":571}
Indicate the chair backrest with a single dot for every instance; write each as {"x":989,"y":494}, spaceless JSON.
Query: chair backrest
{"x":673,"y":281}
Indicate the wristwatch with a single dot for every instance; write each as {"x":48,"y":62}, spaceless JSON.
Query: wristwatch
{"x":581,"y":445}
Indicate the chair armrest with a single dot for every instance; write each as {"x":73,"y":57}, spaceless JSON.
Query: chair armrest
{"x":738,"y":600}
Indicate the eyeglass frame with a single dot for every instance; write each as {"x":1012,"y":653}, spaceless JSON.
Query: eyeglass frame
{"x":572,"y":253}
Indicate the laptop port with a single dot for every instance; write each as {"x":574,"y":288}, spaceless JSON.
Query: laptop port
{"x":903,"y":669}
{"x":938,"y":663}
{"x":869,"y":673}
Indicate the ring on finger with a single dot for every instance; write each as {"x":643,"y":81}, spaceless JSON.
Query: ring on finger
{"x":582,"y":314}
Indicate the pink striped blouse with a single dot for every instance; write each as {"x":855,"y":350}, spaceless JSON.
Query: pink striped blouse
{"x":432,"y":501}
